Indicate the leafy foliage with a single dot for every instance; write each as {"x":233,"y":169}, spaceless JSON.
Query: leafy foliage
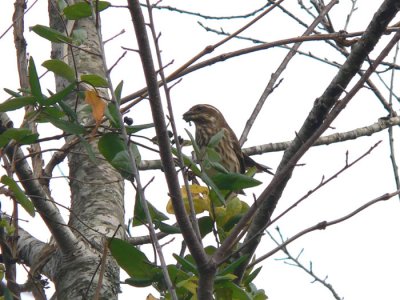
{"x":83,"y":9}
{"x":19,"y":194}
{"x":60,"y":68}
{"x":50,"y":34}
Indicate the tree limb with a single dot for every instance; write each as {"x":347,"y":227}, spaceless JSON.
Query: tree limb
{"x":317,"y":121}
{"x":63,"y":235}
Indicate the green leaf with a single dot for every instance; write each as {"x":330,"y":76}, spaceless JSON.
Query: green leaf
{"x":194,"y":144}
{"x":83,"y":9}
{"x":12,"y":93}
{"x":234,"y":181}
{"x":19,"y":194}
{"x":7,"y":294}
{"x":60,"y":68}
{"x":220,"y":197}
{"x":217,"y":166}
{"x":34,"y":81}
{"x":69,"y":112}
{"x":9,"y":228}
{"x":250,"y":277}
{"x":50,"y":34}
{"x":94,"y":80}
{"x":115,"y":151}
{"x":61,"y":95}
{"x":140,"y":282}
{"x":136,"y":153}
{"x":51,"y":110}
{"x":188,"y":162}
{"x":232,"y":221}
{"x":205,"y":225}
{"x":166,"y":228}
{"x":136,"y":128}
{"x":111,"y":113}
{"x":177,"y":274}
{"x":210,"y":250}
{"x":29,"y":139}
{"x":20,"y":135}
{"x":216,"y":138}
{"x":237,"y":292}
{"x":16,"y":103}
{"x":186,"y":265}
{"x":232,"y":267}
{"x":224,"y":278}
{"x":118,"y":91}
{"x":66,"y":126}
{"x":139,"y":217}
{"x":213,"y":156}
{"x":132,"y":260}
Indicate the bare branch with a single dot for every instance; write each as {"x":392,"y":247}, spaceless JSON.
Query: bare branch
{"x":390,"y":131}
{"x":161,"y":130}
{"x":316,"y":123}
{"x":297,"y":263}
{"x":182,"y":11}
{"x":62,"y":234}
{"x":323,"y":225}
{"x":274,"y":77}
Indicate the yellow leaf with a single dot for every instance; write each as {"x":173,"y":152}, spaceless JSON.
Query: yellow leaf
{"x":151,"y":297}
{"x":98,"y":105}
{"x":200,"y":198}
{"x":234,"y":207}
{"x":190,"y":284}
{"x":2,"y":271}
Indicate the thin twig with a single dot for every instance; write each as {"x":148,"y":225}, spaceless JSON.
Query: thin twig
{"x":323,"y":225}
{"x":297,"y":263}
{"x":352,"y":10}
{"x":324,"y":182}
{"x":275,"y":76}
{"x":193,"y":217}
{"x":208,"y":17}
{"x":390,"y":131}
{"x":321,"y":119}
{"x":132,"y":161}
{"x":16,"y":20}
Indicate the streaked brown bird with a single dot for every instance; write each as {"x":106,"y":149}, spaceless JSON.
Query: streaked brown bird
{"x":209,"y":121}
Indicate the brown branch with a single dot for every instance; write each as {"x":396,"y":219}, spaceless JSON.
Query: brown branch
{"x":192,"y":215}
{"x":275,"y":76}
{"x":162,"y":136}
{"x":323,"y":225}
{"x":208,"y":17}
{"x":320,"y":118}
{"x":22,"y":66}
{"x":225,"y":56}
{"x":210,"y":48}
{"x":324,"y":182}
{"x":64,"y":237}
{"x":297,"y":263}
{"x":340,"y":45}
{"x":390,"y":131}
{"x":316,"y":123}
{"x":382,"y":124}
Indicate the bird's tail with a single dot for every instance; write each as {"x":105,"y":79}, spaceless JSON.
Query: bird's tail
{"x":249,"y":162}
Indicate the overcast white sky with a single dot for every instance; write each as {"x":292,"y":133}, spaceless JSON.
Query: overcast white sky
{"x":360,"y":257}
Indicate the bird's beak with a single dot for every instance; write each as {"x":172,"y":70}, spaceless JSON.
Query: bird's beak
{"x":187,"y":116}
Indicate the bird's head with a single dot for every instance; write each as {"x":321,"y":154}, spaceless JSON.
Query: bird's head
{"x":204,"y":114}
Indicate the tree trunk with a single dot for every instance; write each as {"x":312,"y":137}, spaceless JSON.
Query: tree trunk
{"x":97,"y":207}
